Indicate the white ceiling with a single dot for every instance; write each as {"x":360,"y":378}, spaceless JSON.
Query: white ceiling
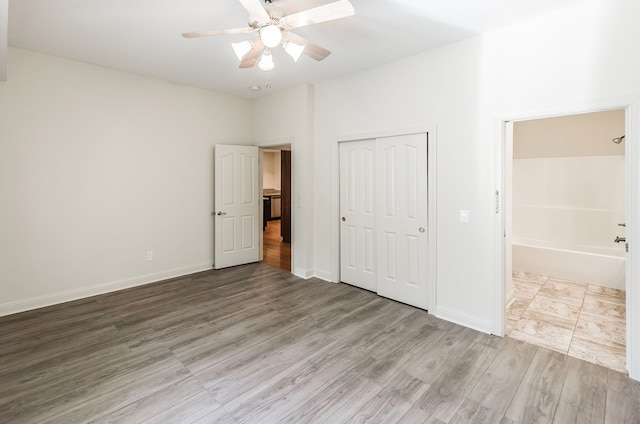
{"x":144,"y":36}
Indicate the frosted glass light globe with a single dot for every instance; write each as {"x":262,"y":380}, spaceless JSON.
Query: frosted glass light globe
{"x":266,"y":62}
{"x":270,"y":35}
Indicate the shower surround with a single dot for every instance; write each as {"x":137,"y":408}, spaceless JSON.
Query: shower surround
{"x":567,"y":213}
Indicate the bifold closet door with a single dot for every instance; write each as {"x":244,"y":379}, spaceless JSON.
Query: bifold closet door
{"x":401,"y":218}
{"x":357,"y":214}
{"x":383,"y":210}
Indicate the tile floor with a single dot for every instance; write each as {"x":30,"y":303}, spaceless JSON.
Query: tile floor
{"x":581,"y":320}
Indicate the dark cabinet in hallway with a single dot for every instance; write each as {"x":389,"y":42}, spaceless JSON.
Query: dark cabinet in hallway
{"x":285,"y":172}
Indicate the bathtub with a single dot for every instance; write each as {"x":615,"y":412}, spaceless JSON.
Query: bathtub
{"x":599,"y":266}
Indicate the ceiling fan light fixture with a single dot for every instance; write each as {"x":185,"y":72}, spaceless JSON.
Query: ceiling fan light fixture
{"x":294,"y":50}
{"x":241,"y":48}
{"x":273,"y":29}
{"x":271,"y":35}
{"x":266,"y":61}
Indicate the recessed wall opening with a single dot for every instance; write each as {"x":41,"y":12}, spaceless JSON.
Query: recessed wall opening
{"x":565,"y":238}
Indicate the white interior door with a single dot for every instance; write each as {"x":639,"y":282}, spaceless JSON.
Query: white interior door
{"x":237,"y":203}
{"x":357,"y":214}
{"x":401,"y":223}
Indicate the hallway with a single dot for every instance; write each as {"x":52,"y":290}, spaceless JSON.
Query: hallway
{"x":276,"y":252}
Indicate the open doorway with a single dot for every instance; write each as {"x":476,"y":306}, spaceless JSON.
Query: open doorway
{"x":276,"y":191}
{"x":565,"y":235}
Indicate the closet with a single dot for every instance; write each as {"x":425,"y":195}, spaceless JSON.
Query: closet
{"x":383,"y":216}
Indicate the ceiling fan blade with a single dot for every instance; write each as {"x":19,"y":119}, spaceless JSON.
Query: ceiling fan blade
{"x":310,"y":49}
{"x":250,"y":59}
{"x":328,"y":12}
{"x":256,"y":11}
{"x":197,"y":34}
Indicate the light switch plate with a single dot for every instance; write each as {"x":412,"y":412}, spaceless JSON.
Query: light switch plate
{"x":464,"y":216}
{"x":299,"y":199}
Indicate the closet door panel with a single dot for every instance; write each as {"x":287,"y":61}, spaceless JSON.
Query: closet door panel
{"x":401,"y":221}
{"x":357,"y":212}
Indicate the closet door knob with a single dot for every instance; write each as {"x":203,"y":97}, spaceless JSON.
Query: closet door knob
{"x":421,"y":229}
{"x":344,"y":219}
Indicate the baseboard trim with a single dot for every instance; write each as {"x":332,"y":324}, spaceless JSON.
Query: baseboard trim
{"x":326,"y":276}
{"x":303,"y":273}
{"x":509,"y":299}
{"x":462,"y":319}
{"x":68,"y":296}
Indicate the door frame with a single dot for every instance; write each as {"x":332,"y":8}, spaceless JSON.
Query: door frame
{"x":430,"y":131}
{"x":631,"y":105}
{"x":289,"y":144}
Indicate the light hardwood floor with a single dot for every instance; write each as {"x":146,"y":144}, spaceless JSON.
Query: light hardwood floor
{"x":276,"y":252}
{"x":254,"y":344}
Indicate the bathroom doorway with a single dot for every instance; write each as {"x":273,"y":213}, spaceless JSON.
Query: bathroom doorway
{"x":565,"y":235}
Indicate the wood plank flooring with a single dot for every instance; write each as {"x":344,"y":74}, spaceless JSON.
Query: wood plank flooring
{"x":255,"y":344}
{"x":276,"y":252}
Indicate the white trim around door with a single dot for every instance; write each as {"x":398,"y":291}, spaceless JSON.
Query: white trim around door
{"x":632,"y":180}
{"x":430,"y":132}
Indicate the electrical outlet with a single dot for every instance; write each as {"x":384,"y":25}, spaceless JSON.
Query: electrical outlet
{"x":150,"y":255}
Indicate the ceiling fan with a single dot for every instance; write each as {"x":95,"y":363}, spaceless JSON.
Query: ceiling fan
{"x":274,"y":28}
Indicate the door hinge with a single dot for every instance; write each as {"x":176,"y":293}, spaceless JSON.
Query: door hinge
{"x":497,"y":201}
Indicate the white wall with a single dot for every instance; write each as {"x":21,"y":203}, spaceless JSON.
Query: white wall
{"x":562,"y":59}
{"x":286,"y":117}
{"x":441,"y":88}
{"x":97,"y":167}
{"x":568,"y":58}
{"x":271,"y":167}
